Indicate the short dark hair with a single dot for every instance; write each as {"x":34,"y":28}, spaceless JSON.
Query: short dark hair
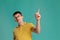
{"x":17,"y":12}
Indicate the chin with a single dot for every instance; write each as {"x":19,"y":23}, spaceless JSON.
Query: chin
{"x":18,"y":21}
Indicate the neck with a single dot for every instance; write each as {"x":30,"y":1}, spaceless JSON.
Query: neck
{"x":20,"y":23}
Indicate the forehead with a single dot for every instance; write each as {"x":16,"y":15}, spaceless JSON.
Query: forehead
{"x":17,"y":15}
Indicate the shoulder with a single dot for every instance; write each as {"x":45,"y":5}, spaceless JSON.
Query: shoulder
{"x":30,"y":24}
{"x":14,"y":29}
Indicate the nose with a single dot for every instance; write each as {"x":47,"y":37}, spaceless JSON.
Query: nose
{"x":17,"y":18}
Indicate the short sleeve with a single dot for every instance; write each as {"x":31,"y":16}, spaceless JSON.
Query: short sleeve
{"x":31,"y":25}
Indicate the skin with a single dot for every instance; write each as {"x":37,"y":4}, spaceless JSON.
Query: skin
{"x":19,"y":19}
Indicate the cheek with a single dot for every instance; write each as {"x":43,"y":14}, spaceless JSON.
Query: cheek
{"x":19,"y":18}
{"x":15,"y":20}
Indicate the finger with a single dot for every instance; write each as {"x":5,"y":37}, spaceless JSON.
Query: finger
{"x":38,"y":10}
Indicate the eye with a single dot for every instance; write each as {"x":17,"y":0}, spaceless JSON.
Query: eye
{"x":15,"y":17}
{"x":18,"y":15}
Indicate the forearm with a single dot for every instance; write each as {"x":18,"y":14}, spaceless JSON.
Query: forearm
{"x":38,"y":26}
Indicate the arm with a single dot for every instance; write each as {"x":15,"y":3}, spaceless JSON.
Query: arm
{"x":37,"y":29}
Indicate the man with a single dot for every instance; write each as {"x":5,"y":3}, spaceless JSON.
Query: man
{"x":24,"y":30}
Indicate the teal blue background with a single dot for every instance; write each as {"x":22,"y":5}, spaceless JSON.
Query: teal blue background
{"x":50,"y":17}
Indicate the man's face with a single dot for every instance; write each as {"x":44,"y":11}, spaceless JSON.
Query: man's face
{"x":18,"y":18}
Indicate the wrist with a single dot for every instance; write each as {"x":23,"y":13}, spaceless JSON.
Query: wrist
{"x":38,"y":20}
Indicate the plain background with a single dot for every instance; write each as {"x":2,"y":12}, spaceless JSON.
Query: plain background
{"x":50,"y":17}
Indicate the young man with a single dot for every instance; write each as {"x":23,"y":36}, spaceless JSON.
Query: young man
{"x":24,"y":30}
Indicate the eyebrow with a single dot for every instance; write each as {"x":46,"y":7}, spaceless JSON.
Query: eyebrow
{"x":17,"y":16}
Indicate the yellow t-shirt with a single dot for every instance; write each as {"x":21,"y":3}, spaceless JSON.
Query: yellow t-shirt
{"x":23,"y":32}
